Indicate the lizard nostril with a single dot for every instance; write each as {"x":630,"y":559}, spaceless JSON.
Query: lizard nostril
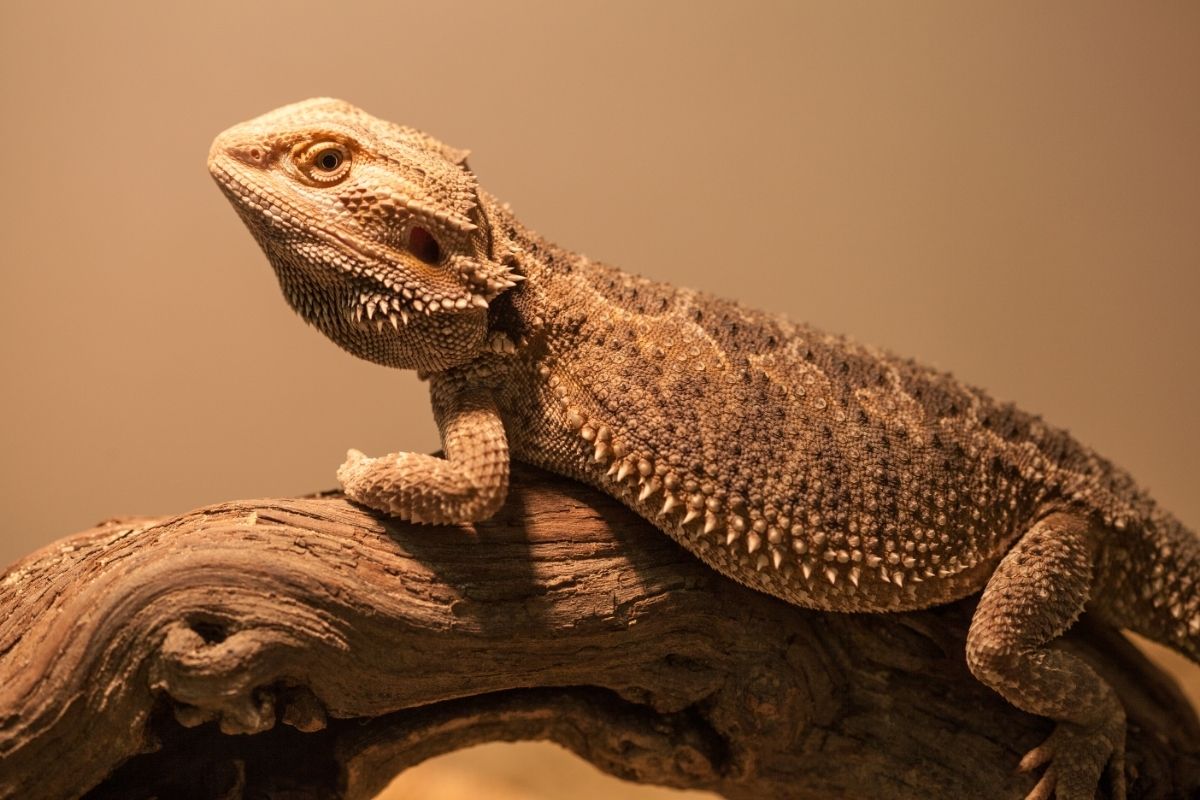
{"x":253,"y":154}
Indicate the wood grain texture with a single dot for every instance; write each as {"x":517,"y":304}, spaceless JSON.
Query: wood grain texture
{"x":306,"y":648}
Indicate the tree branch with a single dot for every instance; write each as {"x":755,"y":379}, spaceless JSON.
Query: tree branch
{"x":135,"y":657}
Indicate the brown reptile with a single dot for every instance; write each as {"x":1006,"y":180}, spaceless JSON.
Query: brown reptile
{"x":828,"y":473}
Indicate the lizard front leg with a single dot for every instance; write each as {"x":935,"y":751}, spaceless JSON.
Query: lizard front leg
{"x":468,"y":485}
{"x":1035,"y":594}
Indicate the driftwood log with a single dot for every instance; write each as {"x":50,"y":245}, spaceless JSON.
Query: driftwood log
{"x":306,"y":648}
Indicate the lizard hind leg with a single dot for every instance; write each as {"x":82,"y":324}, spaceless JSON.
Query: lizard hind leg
{"x":1038,"y":590}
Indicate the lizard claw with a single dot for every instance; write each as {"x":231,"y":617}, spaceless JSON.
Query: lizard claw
{"x":1077,"y":756}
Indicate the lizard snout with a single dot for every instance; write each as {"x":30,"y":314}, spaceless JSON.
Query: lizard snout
{"x":250,"y":152}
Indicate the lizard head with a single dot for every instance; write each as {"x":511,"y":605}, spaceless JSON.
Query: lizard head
{"x":377,"y":233}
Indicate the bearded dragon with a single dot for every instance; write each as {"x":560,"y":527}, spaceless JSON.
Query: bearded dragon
{"x":830,"y":474}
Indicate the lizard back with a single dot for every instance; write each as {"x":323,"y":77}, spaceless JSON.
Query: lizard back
{"x":826,"y":472}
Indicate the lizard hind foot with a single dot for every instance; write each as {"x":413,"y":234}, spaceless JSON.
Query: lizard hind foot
{"x":1075,"y":757}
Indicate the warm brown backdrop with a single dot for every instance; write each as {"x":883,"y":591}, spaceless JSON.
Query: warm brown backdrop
{"x":1007,"y":190}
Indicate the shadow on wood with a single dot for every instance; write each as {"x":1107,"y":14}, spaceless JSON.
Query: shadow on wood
{"x":306,"y":648}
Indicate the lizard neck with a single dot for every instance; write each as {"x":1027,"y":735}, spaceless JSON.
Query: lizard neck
{"x":550,"y":280}
{"x":563,"y":291}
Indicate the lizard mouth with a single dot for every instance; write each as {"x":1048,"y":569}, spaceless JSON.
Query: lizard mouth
{"x":255,"y":203}
{"x":379,"y":293}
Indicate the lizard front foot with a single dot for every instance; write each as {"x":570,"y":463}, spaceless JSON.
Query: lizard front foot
{"x":1077,"y":755}
{"x":468,"y":485}
{"x":360,"y":476}
{"x":409,"y":486}
{"x":422,"y":488}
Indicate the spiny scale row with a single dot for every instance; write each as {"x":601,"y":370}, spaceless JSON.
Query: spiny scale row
{"x":488,"y":278}
{"x":395,"y":309}
{"x":388,"y":202}
{"x":371,"y":304}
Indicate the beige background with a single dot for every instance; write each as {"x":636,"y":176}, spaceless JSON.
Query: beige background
{"x":1008,"y":190}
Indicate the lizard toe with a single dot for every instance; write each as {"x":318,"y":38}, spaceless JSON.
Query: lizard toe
{"x":1038,"y":756}
{"x":1077,"y":756}
{"x":354,"y":457}
{"x":1044,"y":790}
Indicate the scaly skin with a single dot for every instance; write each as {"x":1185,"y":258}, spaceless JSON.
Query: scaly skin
{"x":824,"y":472}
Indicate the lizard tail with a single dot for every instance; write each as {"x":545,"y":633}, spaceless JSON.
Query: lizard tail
{"x":1150,"y":582}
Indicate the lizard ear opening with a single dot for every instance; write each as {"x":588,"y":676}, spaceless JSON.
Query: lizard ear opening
{"x":422,"y":245}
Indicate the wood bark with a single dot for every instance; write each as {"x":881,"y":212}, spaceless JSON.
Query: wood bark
{"x":307,"y":648}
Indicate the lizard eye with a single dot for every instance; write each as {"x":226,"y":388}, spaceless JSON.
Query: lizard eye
{"x":327,"y":162}
{"x":422,"y":245}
